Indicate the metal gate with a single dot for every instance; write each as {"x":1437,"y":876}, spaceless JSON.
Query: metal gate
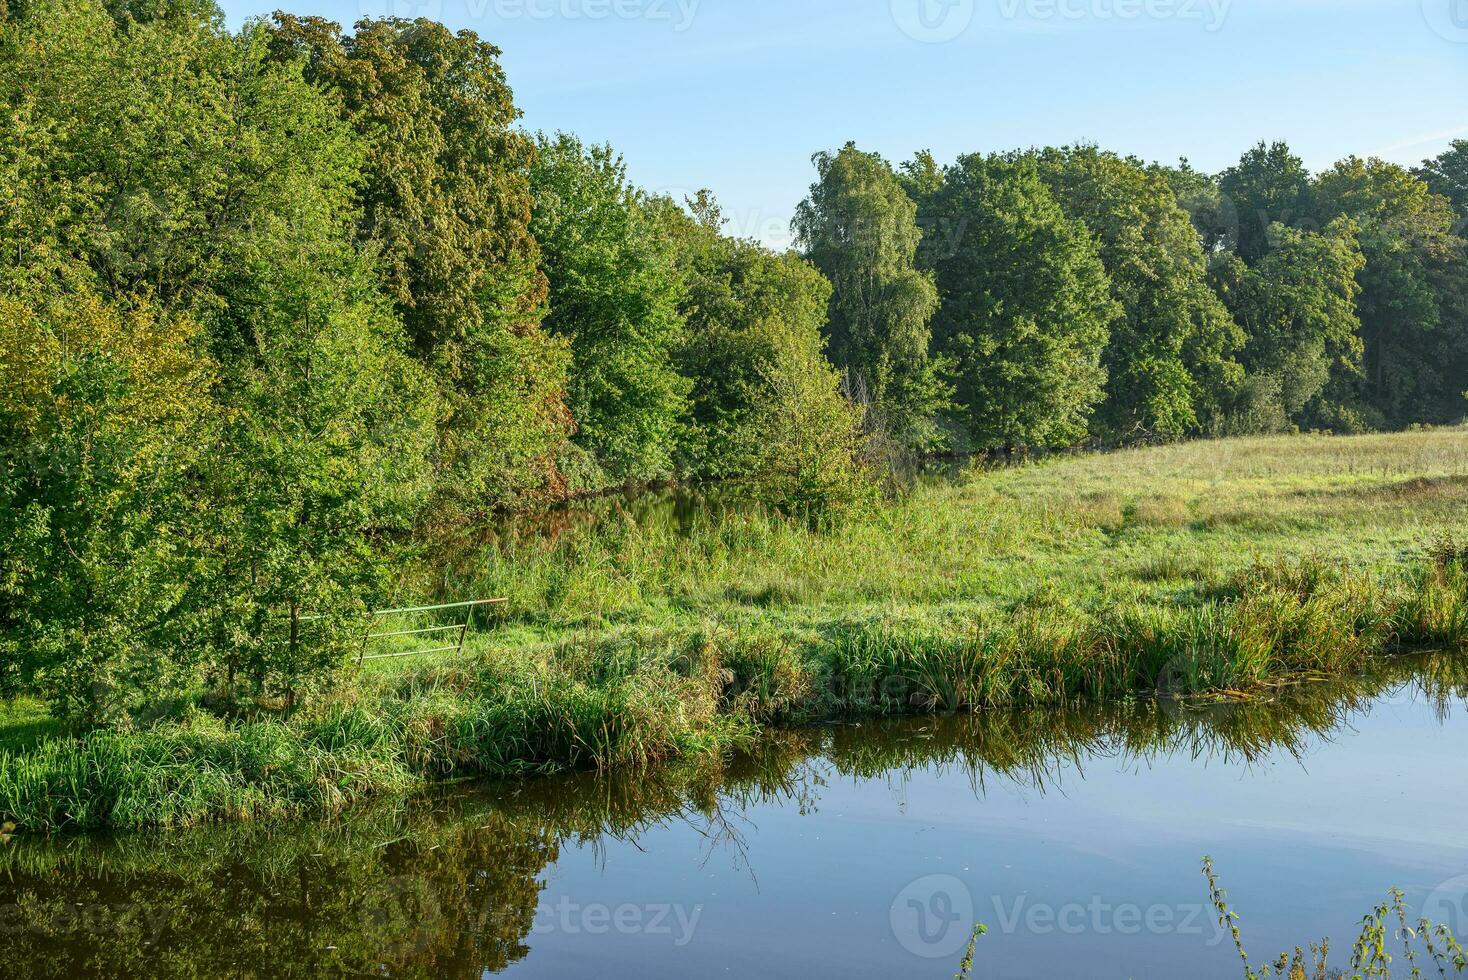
{"x":470,"y":608}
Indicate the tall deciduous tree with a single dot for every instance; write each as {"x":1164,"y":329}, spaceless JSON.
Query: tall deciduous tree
{"x":105,"y":421}
{"x":859,"y":228}
{"x":445,"y":206}
{"x":1169,"y":362}
{"x":1411,"y":289}
{"x":1268,"y":186}
{"x":1298,"y":307}
{"x":1026,"y":306}
{"x":754,"y":319}
{"x":614,"y":298}
{"x":203,"y":181}
{"x":1447,"y":174}
{"x":1214,"y":216}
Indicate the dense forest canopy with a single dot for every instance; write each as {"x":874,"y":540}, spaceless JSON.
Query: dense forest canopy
{"x":273,"y":300}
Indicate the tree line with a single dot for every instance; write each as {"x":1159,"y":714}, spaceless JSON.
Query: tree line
{"x":272,"y":300}
{"x":1055,"y":297}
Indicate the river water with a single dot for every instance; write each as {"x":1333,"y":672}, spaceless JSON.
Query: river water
{"x":853,"y":850}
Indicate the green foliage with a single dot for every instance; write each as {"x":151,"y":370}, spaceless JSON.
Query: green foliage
{"x":444,"y":203}
{"x":1447,"y":175}
{"x":1297,"y":306}
{"x":1025,"y":306}
{"x":1169,"y":363}
{"x":1268,"y":186}
{"x":614,"y":296}
{"x":1412,"y":290}
{"x":1214,"y":216}
{"x":331,"y":452}
{"x":169,"y":159}
{"x":753,"y":327}
{"x":859,"y":227}
{"x":104,"y":418}
{"x":811,"y":456}
{"x":204,"y":182}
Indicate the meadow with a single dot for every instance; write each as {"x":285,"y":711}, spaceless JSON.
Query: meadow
{"x":1210,"y":570}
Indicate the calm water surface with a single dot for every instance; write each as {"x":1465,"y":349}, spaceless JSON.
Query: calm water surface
{"x":846,"y":851}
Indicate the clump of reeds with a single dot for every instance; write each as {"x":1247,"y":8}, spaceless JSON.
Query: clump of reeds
{"x":1270,"y":622}
{"x":600,"y":705}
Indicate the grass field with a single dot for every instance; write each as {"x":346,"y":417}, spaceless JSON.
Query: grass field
{"x":1220,"y":568}
{"x":24,"y":723}
{"x":1142,"y":525}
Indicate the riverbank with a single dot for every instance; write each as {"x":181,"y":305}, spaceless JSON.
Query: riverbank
{"x":1208,"y":569}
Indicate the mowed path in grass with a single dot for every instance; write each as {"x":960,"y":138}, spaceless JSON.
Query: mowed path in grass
{"x":1139,"y":525}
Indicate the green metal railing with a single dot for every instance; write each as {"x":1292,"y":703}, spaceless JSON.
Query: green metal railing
{"x":463,"y":628}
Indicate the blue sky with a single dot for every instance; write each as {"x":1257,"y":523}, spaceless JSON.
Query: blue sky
{"x":736,"y":95}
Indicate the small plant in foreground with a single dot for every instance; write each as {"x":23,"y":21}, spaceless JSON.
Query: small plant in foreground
{"x":1370,"y":956}
{"x":966,"y":965}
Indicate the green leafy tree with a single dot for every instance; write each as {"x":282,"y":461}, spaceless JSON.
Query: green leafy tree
{"x":753,"y":321}
{"x":1268,"y":186}
{"x":1447,"y":174}
{"x":614,"y":297}
{"x":1214,"y":216}
{"x":171,"y":166}
{"x":1169,"y":361}
{"x":1412,"y":289}
{"x":859,"y":228}
{"x":105,"y":419}
{"x":1298,"y":307}
{"x":1025,"y":309}
{"x":166,"y":158}
{"x":811,"y":449}
{"x":329,"y":464}
{"x":445,"y":205}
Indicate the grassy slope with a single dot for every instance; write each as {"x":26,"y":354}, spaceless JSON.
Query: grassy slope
{"x":23,"y":724}
{"x":1092,"y":577}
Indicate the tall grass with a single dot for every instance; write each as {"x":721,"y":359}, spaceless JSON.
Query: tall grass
{"x":638,"y":697}
{"x":600,"y":706}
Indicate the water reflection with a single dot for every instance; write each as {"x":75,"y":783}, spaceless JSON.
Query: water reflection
{"x":451,"y":883}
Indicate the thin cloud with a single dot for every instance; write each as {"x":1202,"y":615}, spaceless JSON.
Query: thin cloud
{"x":1407,"y":144}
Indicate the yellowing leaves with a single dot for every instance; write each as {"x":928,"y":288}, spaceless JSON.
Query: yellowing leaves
{"x":99,"y":370}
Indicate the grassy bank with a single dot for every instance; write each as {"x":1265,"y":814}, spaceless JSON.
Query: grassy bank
{"x":1209,"y":568}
